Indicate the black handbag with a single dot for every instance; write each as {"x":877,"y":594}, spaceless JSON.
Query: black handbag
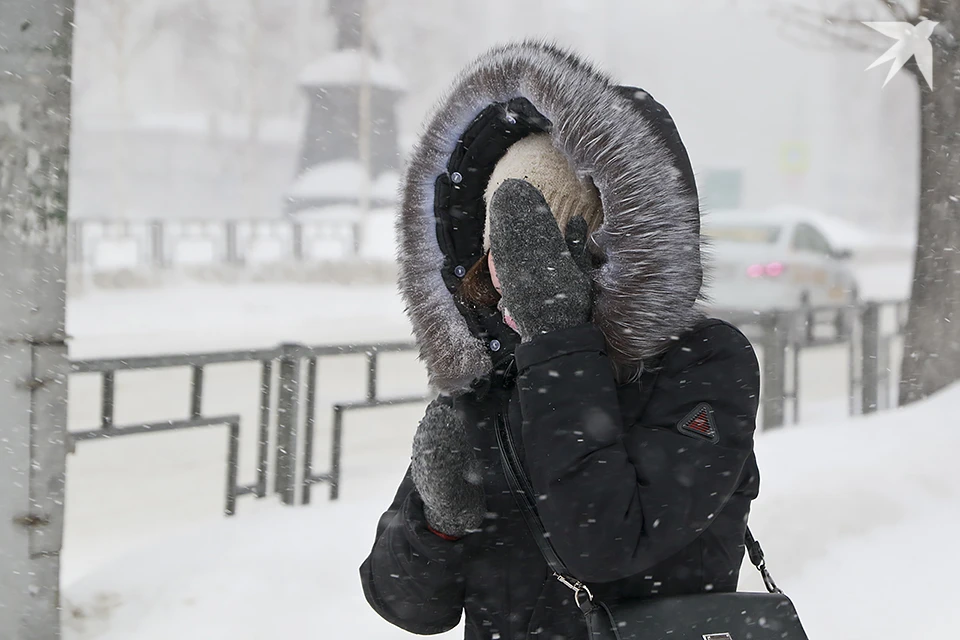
{"x":704,"y":616}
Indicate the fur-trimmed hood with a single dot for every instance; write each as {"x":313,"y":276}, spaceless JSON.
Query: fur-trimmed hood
{"x":649,"y":243}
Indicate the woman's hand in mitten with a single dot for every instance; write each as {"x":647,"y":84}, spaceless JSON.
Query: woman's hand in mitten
{"x":447,"y":473}
{"x":542,"y":275}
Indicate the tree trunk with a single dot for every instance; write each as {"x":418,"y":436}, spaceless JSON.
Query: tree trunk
{"x":931,"y":356}
{"x":35,"y":55}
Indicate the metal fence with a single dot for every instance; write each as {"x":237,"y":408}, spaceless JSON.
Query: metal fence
{"x":104,"y":245}
{"x":867,"y":332}
{"x":287,"y":419}
{"x":287,"y":404}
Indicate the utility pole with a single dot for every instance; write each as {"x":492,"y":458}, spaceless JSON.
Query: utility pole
{"x":35,"y":59}
{"x":365,"y":124}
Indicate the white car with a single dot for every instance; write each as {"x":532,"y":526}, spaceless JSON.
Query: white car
{"x":764,"y":261}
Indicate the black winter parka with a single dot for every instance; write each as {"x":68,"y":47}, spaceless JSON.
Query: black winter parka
{"x":635,"y":506}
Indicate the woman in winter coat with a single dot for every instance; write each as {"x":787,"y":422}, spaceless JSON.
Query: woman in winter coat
{"x":550,"y":261}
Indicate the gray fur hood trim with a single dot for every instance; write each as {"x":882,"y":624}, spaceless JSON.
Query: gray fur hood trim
{"x":647,"y":287}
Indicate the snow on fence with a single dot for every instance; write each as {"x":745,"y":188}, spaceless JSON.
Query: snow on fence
{"x":112,"y":245}
{"x":287,"y":402}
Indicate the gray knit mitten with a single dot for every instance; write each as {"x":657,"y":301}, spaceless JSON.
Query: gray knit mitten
{"x":542,"y":275}
{"x":447,"y":473}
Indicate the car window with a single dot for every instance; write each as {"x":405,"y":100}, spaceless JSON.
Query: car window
{"x":808,"y":239}
{"x":801,"y":239}
{"x":745,"y":233}
{"x":820,"y":243}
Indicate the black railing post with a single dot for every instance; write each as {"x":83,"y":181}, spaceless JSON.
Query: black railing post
{"x":310,"y":426}
{"x":106,"y":400}
{"x":288,"y":416}
{"x":297,"y":238}
{"x":371,"y":376}
{"x":263,"y":439}
{"x":336,"y":451}
{"x":356,"y":239}
{"x":870,"y":358}
{"x":774,"y":369}
{"x":809,"y":321}
{"x":230,"y":238}
{"x":795,"y":350}
{"x":158,"y":258}
{"x":233,"y":464}
{"x":853,"y":356}
{"x":196,"y":391}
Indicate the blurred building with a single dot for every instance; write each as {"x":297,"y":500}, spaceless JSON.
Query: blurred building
{"x":348,"y":151}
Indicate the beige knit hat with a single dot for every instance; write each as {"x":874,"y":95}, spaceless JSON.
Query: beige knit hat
{"x":536,"y":160}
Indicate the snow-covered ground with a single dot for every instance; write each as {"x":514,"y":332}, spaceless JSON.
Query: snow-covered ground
{"x":855,"y":516}
{"x":130,"y":491}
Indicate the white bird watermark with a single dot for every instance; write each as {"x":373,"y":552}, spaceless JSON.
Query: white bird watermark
{"x":912,"y":41}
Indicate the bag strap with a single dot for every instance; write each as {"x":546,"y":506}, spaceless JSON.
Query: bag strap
{"x":756,"y":559}
{"x":525,"y":497}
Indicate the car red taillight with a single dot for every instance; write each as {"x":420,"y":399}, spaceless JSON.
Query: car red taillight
{"x":771,"y":270}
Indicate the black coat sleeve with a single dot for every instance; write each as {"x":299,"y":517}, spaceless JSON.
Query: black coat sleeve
{"x":412,"y":576}
{"x":615,"y":498}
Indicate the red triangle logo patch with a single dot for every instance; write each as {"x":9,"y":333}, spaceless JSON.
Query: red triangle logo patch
{"x":699,"y":423}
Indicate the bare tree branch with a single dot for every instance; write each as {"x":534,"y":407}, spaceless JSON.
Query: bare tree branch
{"x":845,"y":29}
{"x":898,"y":11}
{"x":824,"y":31}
